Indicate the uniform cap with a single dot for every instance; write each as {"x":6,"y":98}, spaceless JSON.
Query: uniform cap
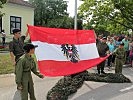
{"x":16,"y":30}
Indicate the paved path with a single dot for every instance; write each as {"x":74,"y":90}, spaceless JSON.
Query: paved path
{"x":89,"y":90}
{"x":8,"y":87}
{"x":106,"y":91}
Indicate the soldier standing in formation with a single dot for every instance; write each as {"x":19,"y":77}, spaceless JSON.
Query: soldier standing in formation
{"x":120,"y":58}
{"x":24,"y":66}
{"x":16,"y":46}
{"x":103,"y":49}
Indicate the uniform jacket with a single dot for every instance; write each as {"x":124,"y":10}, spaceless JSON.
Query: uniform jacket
{"x":23,"y":69}
{"x":16,"y":46}
{"x":102,"y":49}
{"x":120,"y":54}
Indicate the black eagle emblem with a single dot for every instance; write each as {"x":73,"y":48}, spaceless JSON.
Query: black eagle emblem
{"x":71,"y":52}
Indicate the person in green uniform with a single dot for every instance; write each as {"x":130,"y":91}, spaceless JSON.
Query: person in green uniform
{"x":103,"y":50}
{"x":120,"y":58}
{"x":23,"y":68}
{"x":16,"y":46}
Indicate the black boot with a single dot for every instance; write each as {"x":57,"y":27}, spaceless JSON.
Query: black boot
{"x":103,"y":72}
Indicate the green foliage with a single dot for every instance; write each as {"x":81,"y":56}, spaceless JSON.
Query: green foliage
{"x":1,"y":6}
{"x":3,"y":1}
{"x":114,"y":16}
{"x":126,"y":11}
{"x":64,"y":22}
{"x":52,"y":13}
{"x":6,"y":65}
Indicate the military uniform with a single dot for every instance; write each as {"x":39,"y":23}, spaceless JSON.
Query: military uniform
{"x":120,"y":59}
{"x":102,"y":49}
{"x":23,"y":69}
{"x":16,"y":46}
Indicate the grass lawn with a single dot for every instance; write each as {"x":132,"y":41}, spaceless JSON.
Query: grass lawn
{"x":6,"y":66}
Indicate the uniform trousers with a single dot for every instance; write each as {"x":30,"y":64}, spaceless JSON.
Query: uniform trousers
{"x":100,"y":67}
{"x":28,"y":87}
{"x":118,"y":65}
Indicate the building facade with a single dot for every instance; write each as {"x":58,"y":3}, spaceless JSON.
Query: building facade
{"x":17,"y":14}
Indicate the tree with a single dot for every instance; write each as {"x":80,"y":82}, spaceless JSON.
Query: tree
{"x":1,"y":6}
{"x":126,"y":11}
{"x":52,"y":13}
{"x":64,"y":22}
{"x":108,"y":15}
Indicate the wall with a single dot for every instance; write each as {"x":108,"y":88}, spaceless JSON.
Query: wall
{"x":26,"y":14}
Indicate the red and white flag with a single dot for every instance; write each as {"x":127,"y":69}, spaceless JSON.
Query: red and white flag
{"x":63,"y":52}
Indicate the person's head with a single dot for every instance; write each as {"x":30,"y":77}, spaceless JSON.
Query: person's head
{"x":29,"y":48}
{"x":121,"y":45}
{"x":126,"y":37}
{"x":115,"y":37}
{"x":99,"y":37}
{"x":111,"y":40}
{"x":108,"y":37}
{"x":118,"y":38}
{"x":104,"y":39}
{"x":17,"y":33}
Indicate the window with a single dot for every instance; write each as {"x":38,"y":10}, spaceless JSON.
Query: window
{"x":0,"y":24}
{"x":15,"y":22}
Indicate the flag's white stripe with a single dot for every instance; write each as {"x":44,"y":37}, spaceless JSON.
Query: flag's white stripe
{"x":46,"y":51}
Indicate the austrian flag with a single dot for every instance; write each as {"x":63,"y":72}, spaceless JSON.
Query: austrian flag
{"x":62,"y":52}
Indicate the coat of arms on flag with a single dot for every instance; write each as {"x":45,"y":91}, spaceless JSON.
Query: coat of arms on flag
{"x":63,"y":52}
{"x":71,"y":52}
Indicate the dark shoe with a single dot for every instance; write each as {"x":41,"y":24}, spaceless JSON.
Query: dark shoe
{"x":103,"y":72}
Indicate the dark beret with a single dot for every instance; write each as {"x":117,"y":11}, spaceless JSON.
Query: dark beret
{"x":16,"y":30}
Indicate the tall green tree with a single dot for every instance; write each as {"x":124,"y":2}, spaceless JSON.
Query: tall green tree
{"x":126,"y":11}
{"x":52,"y":13}
{"x":107,"y":15}
{"x":1,"y":6}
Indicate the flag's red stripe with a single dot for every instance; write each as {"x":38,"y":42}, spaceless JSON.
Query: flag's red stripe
{"x":63,"y":68}
{"x":61,"y":36}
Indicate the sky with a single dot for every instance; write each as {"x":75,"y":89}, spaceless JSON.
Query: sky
{"x":71,"y":6}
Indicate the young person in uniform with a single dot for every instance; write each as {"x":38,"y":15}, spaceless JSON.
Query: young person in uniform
{"x":24,"y":66}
